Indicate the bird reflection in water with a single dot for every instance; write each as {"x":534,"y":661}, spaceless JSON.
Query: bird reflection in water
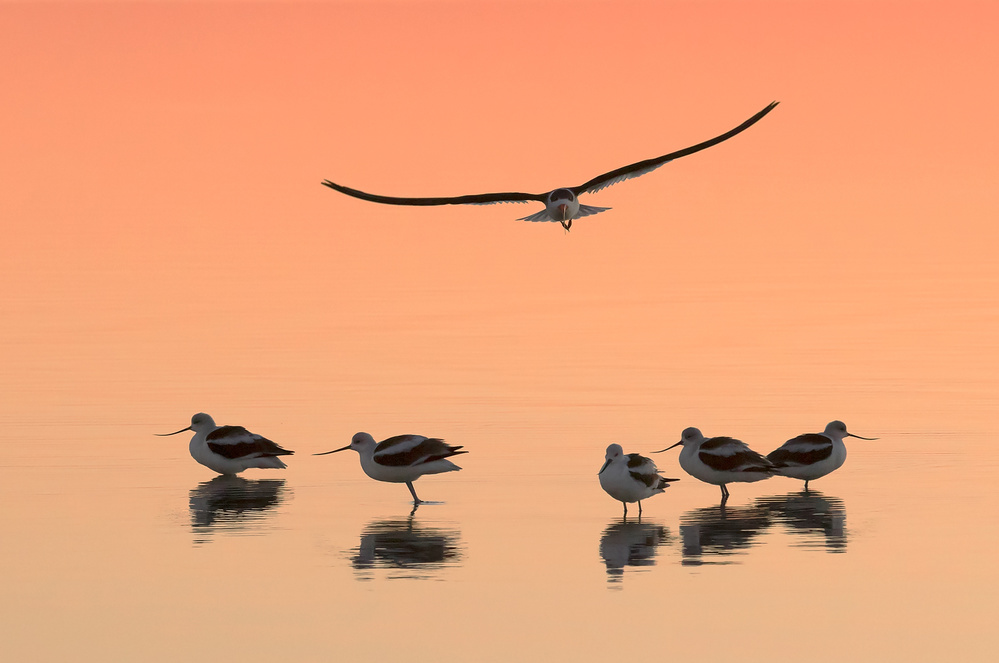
{"x":630,"y":544}
{"x":404,"y":547}
{"x":232,"y":503}
{"x":819,"y":519}
{"x":712,"y":535}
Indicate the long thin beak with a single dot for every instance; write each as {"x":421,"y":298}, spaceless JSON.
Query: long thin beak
{"x":166,"y":434}
{"x":334,"y":451}
{"x":669,"y":447}
{"x":860,"y":438}
{"x":604,"y":467}
{"x":562,"y":210}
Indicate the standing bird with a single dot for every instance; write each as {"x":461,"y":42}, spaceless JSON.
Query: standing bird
{"x":230,"y":449}
{"x":813,"y":455}
{"x":720,"y":460}
{"x":403,"y":458}
{"x":562,"y":204}
{"x":630,"y":477}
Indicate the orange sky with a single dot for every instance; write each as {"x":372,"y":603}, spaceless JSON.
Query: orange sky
{"x":177,"y":123}
{"x":164,"y":160}
{"x":172,"y":153}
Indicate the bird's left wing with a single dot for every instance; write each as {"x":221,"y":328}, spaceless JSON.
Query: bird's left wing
{"x":409,"y":450}
{"x":644,"y":469}
{"x":802,"y":450}
{"x":473,"y":199}
{"x":237,"y":442}
{"x":643,"y":167}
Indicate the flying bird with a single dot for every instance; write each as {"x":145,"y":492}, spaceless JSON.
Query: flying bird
{"x":230,"y":449}
{"x":562,"y":204}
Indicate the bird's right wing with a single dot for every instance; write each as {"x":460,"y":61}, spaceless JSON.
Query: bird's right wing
{"x":474,"y":199}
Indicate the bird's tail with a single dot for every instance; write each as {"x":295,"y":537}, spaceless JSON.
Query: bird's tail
{"x":588,"y":210}
{"x":537,"y":216}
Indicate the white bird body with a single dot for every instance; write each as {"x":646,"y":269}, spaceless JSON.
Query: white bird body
{"x":630,"y":477}
{"x":231,"y":449}
{"x":721,"y":460}
{"x":403,"y":458}
{"x":813,"y":455}
{"x":562,"y":204}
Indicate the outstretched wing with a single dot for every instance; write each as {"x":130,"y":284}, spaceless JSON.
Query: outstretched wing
{"x":643,"y":167}
{"x":474,"y":199}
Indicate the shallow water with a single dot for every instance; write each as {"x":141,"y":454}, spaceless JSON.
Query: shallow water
{"x":121,"y":538}
{"x":194,"y":263}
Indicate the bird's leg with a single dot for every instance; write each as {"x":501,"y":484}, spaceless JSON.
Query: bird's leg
{"x":416,"y":500}
{"x":724,"y":492}
{"x":639,"y":509}
{"x":625,"y":509}
{"x":806,"y":485}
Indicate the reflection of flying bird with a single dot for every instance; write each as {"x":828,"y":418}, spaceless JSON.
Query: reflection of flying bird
{"x":813,"y":455}
{"x":562,"y":204}
{"x":230,"y":449}
{"x":403,"y":458}
{"x":720,"y":460}
{"x":630,"y":477}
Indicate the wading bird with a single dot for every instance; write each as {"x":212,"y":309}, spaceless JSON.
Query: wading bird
{"x":230,"y":449}
{"x":720,"y":460}
{"x":403,"y":458}
{"x":630,"y":477}
{"x":813,"y":455}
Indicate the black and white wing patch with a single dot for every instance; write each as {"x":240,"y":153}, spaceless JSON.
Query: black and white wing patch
{"x":803,"y":450}
{"x":727,"y":454}
{"x":235,"y":442}
{"x":644,"y":469}
{"x":411,"y":450}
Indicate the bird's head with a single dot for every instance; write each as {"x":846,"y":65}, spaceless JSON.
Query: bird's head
{"x":563,"y":206}
{"x":358,"y":443}
{"x":836,"y":430}
{"x":199,"y":423}
{"x":689,"y":436}
{"x":614,"y":451}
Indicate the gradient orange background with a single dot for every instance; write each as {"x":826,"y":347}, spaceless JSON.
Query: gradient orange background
{"x":167,"y":248}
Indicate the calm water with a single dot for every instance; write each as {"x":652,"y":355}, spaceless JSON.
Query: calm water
{"x":168,"y":249}
{"x":136,"y":551}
